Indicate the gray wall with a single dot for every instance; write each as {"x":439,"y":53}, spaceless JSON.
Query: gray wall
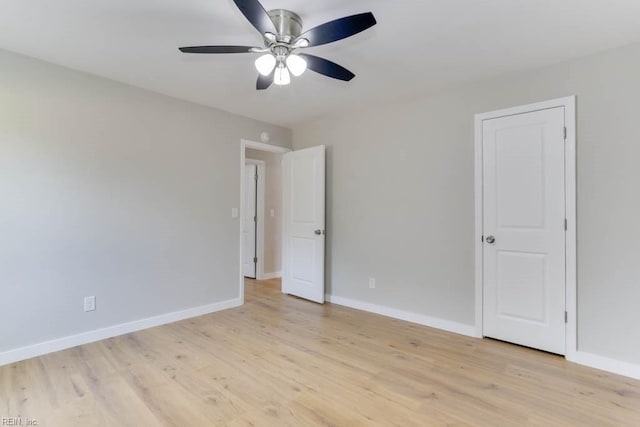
{"x":272,"y":200}
{"x":401,"y":202}
{"x":111,"y":191}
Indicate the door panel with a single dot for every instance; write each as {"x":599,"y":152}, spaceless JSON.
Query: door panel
{"x":523,"y":202}
{"x":302,"y":258}
{"x":304,"y":216}
{"x":249,"y":222}
{"x":522,"y":286}
{"x":303,"y":175}
{"x":520,"y":157}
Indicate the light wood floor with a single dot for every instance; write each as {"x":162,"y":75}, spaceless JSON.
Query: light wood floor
{"x":280,"y":361}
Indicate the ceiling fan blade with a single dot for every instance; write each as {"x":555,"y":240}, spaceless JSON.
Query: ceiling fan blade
{"x":264,"y":81}
{"x":217,"y":49}
{"x":257,"y":15}
{"x":327,"y":68}
{"x":339,"y":29}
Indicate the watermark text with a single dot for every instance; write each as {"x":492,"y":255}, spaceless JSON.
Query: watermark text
{"x":18,"y":421}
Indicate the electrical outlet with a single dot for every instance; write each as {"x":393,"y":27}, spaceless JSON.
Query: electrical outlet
{"x":89,"y":303}
{"x":372,"y":282}
{"x":234,"y":213}
{"x":273,"y":213}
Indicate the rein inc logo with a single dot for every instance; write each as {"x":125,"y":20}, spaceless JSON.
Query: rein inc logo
{"x":18,"y":421}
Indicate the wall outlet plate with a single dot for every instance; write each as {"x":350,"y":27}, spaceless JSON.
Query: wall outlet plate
{"x":89,"y":303}
{"x":372,"y":282}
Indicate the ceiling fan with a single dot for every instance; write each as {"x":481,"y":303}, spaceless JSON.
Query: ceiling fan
{"x":282,"y":33}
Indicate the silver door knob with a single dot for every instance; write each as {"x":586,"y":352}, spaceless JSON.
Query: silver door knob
{"x":318,"y":232}
{"x":491,"y":240}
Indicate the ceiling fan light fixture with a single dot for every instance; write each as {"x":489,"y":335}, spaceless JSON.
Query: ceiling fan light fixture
{"x":282,"y":34}
{"x":265,"y":64}
{"x":296,"y":64}
{"x":282,"y":76}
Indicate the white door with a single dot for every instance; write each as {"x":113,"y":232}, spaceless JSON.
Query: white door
{"x":304,"y":228}
{"x":524,"y":229}
{"x":249,"y":221}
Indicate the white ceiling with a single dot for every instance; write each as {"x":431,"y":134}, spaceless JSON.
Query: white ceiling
{"x":417,"y":48}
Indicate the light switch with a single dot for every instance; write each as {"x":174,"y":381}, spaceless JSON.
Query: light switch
{"x":273,"y":213}
{"x":234,"y":212}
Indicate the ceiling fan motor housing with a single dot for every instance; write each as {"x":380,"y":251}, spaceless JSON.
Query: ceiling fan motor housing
{"x":288,"y":24}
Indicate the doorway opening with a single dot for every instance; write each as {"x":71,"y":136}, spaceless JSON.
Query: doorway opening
{"x":260,"y":213}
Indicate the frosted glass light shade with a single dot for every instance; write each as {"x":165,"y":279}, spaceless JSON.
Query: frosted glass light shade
{"x":265,"y":64}
{"x":282,"y":77}
{"x":296,"y":64}
{"x":301,"y":43}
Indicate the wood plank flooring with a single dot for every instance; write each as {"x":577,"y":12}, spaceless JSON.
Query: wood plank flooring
{"x":282,"y":361}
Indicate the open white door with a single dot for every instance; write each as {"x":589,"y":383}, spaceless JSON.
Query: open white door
{"x":304,"y":227}
{"x":249,"y":221}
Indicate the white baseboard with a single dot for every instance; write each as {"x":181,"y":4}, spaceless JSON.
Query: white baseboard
{"x":275,"y":275}
{"x":421,"y":319}
{"x":39,"y":349}
{"x":606,"y":364}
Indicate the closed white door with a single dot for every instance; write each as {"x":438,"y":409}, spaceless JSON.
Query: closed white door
{"x":524,"y":229}
{"x":304,"y":227}
{"x":249,"y":221}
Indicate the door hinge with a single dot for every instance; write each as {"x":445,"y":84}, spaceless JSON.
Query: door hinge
{"x":255,"y":218}
{"x":566,"y":224}
{"x":255,"y":260}
{"x":482,"y":239}
{"x":565,"y":133}
{"x":256,"y":176}
{"x":566,"y":317}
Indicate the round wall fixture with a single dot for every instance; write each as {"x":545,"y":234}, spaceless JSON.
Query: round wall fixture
{"x":265,"y":137}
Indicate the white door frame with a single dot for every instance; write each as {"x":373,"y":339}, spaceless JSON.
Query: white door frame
{"x":260,"y":188}
{"x":244,"y":144}
{"x":569,"y":104}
